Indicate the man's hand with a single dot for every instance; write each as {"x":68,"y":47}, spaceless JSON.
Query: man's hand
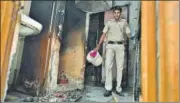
{"x":96,"y":49}
{"x":132,"y":37}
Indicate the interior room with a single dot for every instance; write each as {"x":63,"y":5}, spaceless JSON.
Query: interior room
{"x":55,"y":60}
{"x":89,"y":51}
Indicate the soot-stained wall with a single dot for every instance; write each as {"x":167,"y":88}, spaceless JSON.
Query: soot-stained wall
{"x":35,"y":46}
{"x":72,"y":52}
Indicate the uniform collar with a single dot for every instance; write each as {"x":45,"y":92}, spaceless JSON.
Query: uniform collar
{"x":120,"y":19}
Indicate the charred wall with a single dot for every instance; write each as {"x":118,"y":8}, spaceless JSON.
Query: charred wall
{"x":72,"y":52}
{"x":34,"y":53}
{"x":74,"y":18}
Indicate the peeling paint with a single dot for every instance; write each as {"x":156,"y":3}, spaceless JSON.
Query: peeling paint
{"x":10,"y":41}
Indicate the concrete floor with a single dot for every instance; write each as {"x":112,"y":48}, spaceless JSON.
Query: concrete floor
{"x":16,"y":96}
{"x":90,"y":94}
{"x":95,"y":94}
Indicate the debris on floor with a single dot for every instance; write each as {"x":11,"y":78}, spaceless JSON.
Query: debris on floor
{"x":69,"y":96}
{"x":89,"y":94}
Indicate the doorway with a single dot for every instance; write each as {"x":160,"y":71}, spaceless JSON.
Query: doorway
{"x":96,"y":75}
{"x":92,"y":73}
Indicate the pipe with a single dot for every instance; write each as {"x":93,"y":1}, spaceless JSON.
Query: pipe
{"x":169,"y":51}
{"x":162,"y":71}
{"x":148,"y":52}
{"x":87,"y":25}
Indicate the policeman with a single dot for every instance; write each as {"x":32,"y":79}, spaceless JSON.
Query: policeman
{"x":114,"y":32}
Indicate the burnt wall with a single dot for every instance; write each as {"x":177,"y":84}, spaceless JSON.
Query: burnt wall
{"x":74,"y":18}
{"x":72,"y":54}
{"x":35,"y":46}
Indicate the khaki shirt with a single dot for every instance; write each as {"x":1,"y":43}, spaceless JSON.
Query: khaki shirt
{"x":115,"y":30}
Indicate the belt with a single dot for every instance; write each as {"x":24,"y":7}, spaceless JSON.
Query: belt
{"x":115,"y":42}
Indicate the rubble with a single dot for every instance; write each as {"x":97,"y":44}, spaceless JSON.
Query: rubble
{"x":69,"y":96}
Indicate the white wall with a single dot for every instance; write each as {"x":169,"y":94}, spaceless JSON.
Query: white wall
{"x":27,"y":6}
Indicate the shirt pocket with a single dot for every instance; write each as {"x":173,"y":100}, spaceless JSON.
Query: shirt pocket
{"x":121,"y":27}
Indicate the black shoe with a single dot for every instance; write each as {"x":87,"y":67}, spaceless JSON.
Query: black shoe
{"x":119,"y":93}
{"x":107,"y":93}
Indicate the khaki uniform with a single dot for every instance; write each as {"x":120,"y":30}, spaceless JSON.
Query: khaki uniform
{"x":115,"y":31}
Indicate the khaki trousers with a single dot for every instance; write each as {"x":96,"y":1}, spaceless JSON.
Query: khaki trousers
{"x":114,"y":52}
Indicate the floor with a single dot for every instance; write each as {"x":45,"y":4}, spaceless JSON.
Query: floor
{"x":90,"y":94}
{"x":95,"y":94}
{"x":15,"y":96}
